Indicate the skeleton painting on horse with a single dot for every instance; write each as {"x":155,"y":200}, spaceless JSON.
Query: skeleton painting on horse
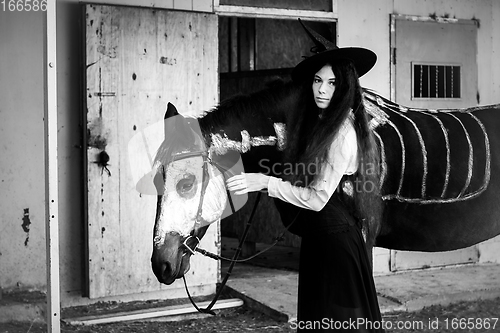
{"x":439,"y":176}
{"x":451,"y":209}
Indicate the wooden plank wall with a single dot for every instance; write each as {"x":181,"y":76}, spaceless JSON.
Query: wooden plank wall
{"x":137,"y":61}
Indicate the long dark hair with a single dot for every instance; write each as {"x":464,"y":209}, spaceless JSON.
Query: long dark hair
{"x":309,"y":139}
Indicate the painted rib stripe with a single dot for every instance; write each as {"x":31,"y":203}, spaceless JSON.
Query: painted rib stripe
{"x":424,"y":153}
{"x":487,"y":168}
{"x":383,"y":160}
{"x":448,"y":154}
{"x":403,"y":156}
{"x":470,"y":162}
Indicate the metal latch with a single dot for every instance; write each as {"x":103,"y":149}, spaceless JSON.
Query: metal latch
{"x":105,"y":94}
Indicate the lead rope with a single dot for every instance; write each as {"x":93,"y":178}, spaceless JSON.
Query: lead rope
{"x":230,"y":269}
{"x":276,"y":239}
{"x":218,"y":257}
{"x":234,"y":260}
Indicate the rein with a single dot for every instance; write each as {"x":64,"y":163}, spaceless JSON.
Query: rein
{"x":192,"y":249}
{"x":208,"y":309}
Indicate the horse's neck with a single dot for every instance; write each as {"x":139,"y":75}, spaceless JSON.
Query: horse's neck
{"x":222,"y":141}
{"x":256,"y":138}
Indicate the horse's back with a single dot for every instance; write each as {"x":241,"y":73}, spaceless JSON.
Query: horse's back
{"x":434,"y":156}
{"x":438,"y":176}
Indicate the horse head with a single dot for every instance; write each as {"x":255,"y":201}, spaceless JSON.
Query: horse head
{"x":191,"y":194}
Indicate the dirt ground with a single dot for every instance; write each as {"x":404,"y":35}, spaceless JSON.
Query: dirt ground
{"x":475,"y":316}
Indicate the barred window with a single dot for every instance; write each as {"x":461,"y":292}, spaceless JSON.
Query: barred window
{"x":436,"y":81}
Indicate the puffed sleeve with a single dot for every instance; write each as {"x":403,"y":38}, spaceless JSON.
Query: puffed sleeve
{"x":342,"y":159}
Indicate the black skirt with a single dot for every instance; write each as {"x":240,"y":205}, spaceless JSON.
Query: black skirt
{"x":336,"y":287}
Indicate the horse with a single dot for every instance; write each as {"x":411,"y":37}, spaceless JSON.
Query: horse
{"x":439,"y":173}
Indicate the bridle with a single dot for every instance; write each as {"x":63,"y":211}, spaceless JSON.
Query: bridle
{"x":190,"y":245}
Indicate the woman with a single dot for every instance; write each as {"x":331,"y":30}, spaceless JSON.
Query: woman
{"x":334,"y":190}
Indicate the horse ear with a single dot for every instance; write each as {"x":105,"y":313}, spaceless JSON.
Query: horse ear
{"x":171,"y":111}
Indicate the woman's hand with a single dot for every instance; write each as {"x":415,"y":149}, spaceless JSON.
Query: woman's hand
{"x":247,"y":182}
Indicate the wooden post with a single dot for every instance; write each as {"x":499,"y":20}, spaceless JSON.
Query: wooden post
{"x":51,"y":168}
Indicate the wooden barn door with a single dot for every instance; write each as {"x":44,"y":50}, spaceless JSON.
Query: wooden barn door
{"x":137,"y":60}
{"x":434,"y":66}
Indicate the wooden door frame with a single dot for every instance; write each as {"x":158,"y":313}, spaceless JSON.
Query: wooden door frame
{"x":51,"y":170}
{"x":276,"y":13}
{"x":392,"y":40}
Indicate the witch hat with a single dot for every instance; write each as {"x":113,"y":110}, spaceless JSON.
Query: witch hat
{"x":326,"y":51}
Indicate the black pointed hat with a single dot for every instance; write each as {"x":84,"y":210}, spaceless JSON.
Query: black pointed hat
{"x":326,"y":51}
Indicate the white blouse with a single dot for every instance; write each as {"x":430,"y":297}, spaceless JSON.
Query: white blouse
{"x":342,"y":160}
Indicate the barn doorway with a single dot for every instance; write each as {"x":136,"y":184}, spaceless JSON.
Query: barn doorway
{"x":253,"y":54}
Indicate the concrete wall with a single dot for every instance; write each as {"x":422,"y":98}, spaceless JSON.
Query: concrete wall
{"x":22,"y":236}
{"x":495,"y":50}
{"x":365,"y":23}
{"x":22,"y":187}
{"x":489,"y":251}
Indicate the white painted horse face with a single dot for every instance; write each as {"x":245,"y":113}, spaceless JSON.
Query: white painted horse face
{"x":178,"y":206}
{"x":177,"y":213}
{"x":187,"y":177}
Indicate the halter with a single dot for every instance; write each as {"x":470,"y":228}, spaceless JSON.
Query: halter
{"x":191,"y":242}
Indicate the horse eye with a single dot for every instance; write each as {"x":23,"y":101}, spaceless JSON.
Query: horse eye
{"x":185,"y":186}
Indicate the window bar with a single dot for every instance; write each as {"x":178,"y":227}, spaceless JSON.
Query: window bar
{"x":452,"y":72}
{"x":445,"y":68}
{"x":421,"y":79}
{"x":436,"y":73}
{"x":428,"y":81}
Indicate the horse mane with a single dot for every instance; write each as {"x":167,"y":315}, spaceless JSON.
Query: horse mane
{"x":272,"y":102}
